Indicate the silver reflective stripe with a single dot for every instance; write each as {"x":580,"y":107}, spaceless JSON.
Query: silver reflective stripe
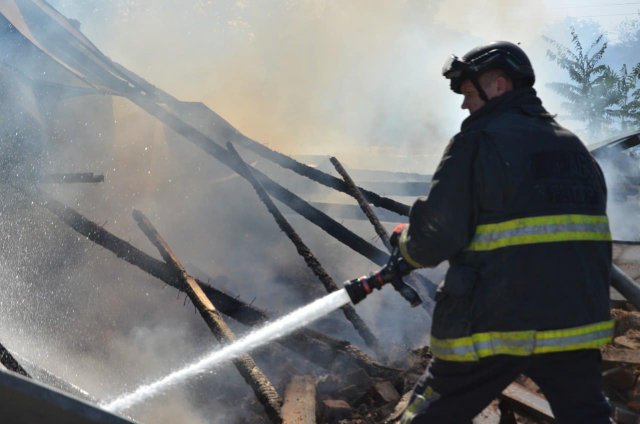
{"x":542,"y":229}
{"x":573,"y":340}
{"x":497,"y":344}
{"x":522,"y":343}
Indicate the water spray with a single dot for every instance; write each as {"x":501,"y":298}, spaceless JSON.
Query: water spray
{"x":281,"y":327}
{"x":355,"y":291}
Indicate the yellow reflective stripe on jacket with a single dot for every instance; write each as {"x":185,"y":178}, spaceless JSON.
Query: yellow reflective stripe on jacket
{"x":522,"y":343}
{"x":540,"y":229}
{"x":402,"y":244}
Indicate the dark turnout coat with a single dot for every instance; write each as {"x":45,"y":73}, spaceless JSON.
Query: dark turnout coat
{"x":518,"y":207}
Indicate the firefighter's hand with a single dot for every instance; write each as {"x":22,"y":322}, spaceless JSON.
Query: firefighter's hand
{"x":398,"y":265}
{"x":394,"y":239}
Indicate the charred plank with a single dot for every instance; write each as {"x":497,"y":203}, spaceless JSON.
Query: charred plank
{"x":355,"y":192}
{"x":246,"y":366}
{"x":76,"y":177}
{"x":303,"y":250}
{"x":7,"y":359}
{"x":300,"y":401}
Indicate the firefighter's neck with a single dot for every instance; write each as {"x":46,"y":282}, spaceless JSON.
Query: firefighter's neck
{"x":493,"y":84}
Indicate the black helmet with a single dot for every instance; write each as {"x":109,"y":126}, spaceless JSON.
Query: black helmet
{"x":502,"y":55}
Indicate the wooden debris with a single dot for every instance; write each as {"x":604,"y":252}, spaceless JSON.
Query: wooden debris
{"x":334,"y":410}
{"x":400,"y":407}
{"x":323,"y":350}
{"x":303,"y":250}
{"x":629,"y":340}
{"x":618,"y":378}
{"x":344,"y":211}
{"x":624,"y":415}
{"x":523,"y":398}
{"x":76,"y":177}
{"x":300,"y":401}
{"x":384,"y":392}
{"x":10,"y":363}
{"x":245,"y":365}
{"x":354,"y":191}
{"x":322,"y":177}
{"x":625,"y":321}
{"x":489,"y":415}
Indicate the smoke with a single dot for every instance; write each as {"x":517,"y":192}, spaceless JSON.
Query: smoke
{"x":359,"y":80}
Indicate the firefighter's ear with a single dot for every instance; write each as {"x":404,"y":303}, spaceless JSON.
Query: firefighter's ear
{"x":503,"y":84}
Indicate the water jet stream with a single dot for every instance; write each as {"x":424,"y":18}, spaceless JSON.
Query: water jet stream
{"x":271,"y":331}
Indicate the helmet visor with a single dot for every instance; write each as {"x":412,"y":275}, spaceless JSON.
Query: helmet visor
{"x":453,"y":67}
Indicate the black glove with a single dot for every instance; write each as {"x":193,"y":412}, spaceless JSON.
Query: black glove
{"x":397,"y":268}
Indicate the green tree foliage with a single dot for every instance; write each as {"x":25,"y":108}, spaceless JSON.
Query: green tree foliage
{"x":627,"y":113}
{"x":597,"y":94}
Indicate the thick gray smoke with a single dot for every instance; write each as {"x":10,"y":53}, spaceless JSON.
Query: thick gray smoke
{"x":357,"y":79}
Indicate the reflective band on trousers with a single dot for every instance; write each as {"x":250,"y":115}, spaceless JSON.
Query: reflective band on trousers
{"x":540,"y":229}
{"x":522,"y":343}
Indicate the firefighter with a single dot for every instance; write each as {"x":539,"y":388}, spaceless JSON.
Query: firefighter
{"x":518,"y":208}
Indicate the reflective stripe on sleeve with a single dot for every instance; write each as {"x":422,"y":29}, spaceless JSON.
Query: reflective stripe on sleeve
{"x":522,"y":343}
{"x":540,"y":229}
{"x":402,"y":244}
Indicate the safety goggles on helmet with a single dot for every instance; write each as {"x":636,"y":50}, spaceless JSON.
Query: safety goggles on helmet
{"x":455,"y":67}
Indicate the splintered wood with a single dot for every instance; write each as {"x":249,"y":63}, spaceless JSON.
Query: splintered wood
{"x":300,"y":401}
{"x":245,"y":364}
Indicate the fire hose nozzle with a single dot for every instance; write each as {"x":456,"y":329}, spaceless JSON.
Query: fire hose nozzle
{"x":358,"y":289}
{"x":361,"y":287}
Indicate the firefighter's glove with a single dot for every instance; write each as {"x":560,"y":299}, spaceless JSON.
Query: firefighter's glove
{"x":396,"y":268}
{"x":397,"y":265}
{"x":394,"y":239}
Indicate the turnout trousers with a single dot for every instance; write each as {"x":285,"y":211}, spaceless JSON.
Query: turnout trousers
{"x":455,"y":392}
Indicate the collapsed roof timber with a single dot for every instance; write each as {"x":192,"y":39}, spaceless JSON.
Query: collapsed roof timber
{"x":68,"y":64}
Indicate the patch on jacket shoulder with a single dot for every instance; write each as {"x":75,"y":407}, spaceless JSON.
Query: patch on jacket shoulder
{"x":564,"y":164}
{"x":566,"y":177}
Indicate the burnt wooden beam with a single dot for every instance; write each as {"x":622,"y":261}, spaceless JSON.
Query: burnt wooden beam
{"x":366,"y":208}
{"x":76,"y":177}
{"x":397,"y":188}
{"x":246,"y":366}
{"x":300,"y":401}
{"x":320,"y":176}
{"x":356,"y":193}
{"x":322,"y":350}
{"x":344,"y":211}
{"x":329,"y":225}
{"x":10,"y":363}
{"x":303,"y":250}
